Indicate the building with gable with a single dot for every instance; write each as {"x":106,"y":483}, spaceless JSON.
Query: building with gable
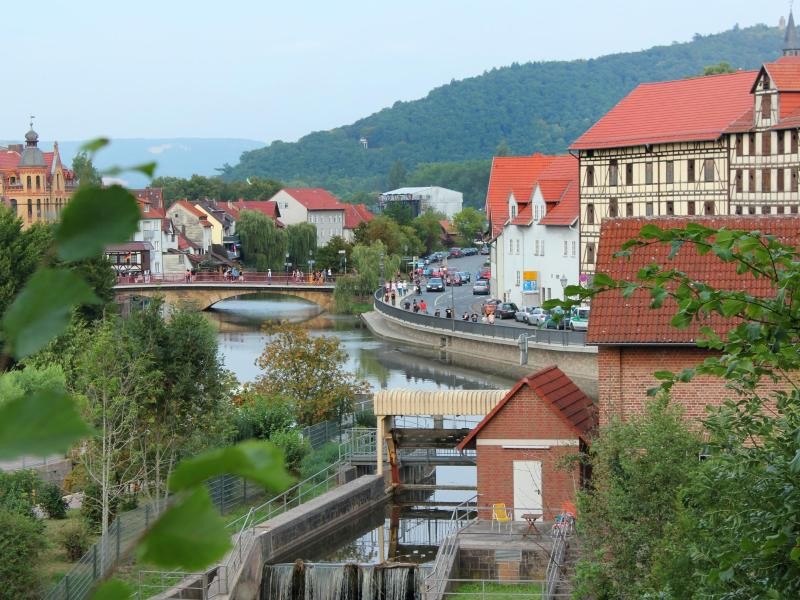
{"x":354,"y":215}
{"x":35,"y":185}
{"x":192,"y":224}
{"x":522,"y":443}
{"x":535,"y":231}
{"x":716,"y":145}
{"x":312,"y":205}
{"x":634,"y":341}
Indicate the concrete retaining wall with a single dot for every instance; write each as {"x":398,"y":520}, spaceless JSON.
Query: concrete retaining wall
{"x":278,"y":537}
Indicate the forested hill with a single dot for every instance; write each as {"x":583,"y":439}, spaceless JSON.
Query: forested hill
{"x":540,"y":106}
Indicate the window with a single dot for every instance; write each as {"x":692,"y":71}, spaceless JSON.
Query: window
{"x":781,"y":179}
{"x":794,"y":141}
{"x":574,"y":248}
{"x":751,"y":143}
{"x":590,"y":214}
{"x":38,"y":182}
{"x":613,"y":172}
{"x":519,"y":279}
{"x":766,"y":209}
{"x":738,"y":180}
{"x":629,"y":209}
{"x":517,"y":246}
{"x":38,"y":209}
{"x":536,"y":248}
{"x":766,"y":143}
{"x":751,"y":180}
{"x":590,"y":252}
{"x":542,"y":248}
{"x":29,"y":182}
{"x":613,"y":208}
{"x":751,"y":210}
{"x":690,"y":208}
{"x":590,"y":176}
{"x":766,"y":180}
{"x":690,"y":170}
{"x":648,"y":173}
{"x":14,"y":208}
{"x":670,"y":208}
{"x":629,"y":174}
{"x":708,"y":169}
{"x":766,"y":106}
{"x":794,"y":180}
{"x":780,"y":210}
{"x":566,"y":247}
{"x":670,"y":174}
{"x":739,"y":144}
{"x":513,"y":210}
{"x":708,"y":207}
{"x":511,"y":246}
{"x":739,"y":210}
{"x":793,"y":210}
{"x":781,"y":142}
{"x":648,"y":209}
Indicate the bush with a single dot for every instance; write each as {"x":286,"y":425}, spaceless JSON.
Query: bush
{"x":74,"y":539}
{"x":92,"y":507}
{"x":17,"y":491}
{"x":319,"y":459}
{"x":294,"y":447}
{"x":366,"y":418}
{"x":21,"y":541}
{"x":51,"y":501}
{"x":259,"y":417}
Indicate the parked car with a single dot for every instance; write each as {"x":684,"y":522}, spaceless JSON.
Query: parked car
{"x":579,"y":320}
{"x":435,"y":284}
{"x":484,"y":250}
{"x":506,"y":310}
{"x":453,"y":279}
{"x":522,"y":315}
{"x":484,"y":274}
{"x":465,"y":276}
{"x":480,"y":288}
{"x":557,"y":319}
{"x":469,"y":251}
{"x":538,"y":317}
{"x":455,"y":252}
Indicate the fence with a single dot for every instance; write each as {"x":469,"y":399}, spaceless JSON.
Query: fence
{"x":561,"y":531}
{"x":247,"y":277}
{"x":29,"y":462}
{"x":440,"y":324}
{"x":486,"y":589}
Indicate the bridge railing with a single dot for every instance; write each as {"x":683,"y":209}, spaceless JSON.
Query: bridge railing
{"x":443,"y":324}
{"x":246,"y":277}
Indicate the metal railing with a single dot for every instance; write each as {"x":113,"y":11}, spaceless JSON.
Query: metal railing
{"x":489,"y":589}
{"x":561,"y":531}
{"x":29,"y":462}
{"x":203,"y":278}
{"x":553,"y":337}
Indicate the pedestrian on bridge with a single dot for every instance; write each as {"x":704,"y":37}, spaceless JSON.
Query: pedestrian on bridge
{"x":269,"y":276}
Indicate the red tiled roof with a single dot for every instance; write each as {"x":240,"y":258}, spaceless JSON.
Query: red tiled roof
{"x":267,"y":207}
{"x":155,"y":196}
{"x":616,"y":320}
{"x":784,"y":73}
{"x":190,"y":208}
{"x":695,"y":109}
{"x":314,"y":198}
{"x":184,"y":243}
{"x":153,"y":212}
{"x":9,"y":159}
{"x":510,"y":173}
{"x":524,"y":217}
{"x":447,"y":227}
{"x":559,"y":394}
{"x":355,"y":214}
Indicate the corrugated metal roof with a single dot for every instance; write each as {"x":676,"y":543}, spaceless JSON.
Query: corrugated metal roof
{"x":446,"y":402}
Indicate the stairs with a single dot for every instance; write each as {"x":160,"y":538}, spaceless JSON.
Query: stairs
{"x":567,"y":571}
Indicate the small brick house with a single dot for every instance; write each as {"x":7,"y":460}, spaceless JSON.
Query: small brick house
{"x":524,"y":442}
{"x":634,"y":341}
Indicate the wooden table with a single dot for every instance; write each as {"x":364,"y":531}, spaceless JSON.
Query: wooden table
{"x":531,"y":519}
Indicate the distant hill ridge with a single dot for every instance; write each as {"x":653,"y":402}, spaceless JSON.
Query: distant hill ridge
{"x":540,"y":106}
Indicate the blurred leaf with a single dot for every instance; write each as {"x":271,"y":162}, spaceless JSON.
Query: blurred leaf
{"x":38,"y":424}
{"x":113,"y":589}
{"x":94,"y":145}
{"x":261,"y":462}
{"x":95,"y":218}
{"x":42,"y":310}
{"x":190,"y":535}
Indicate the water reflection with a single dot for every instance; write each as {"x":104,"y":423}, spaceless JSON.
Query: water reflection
{"x":383,"y":364}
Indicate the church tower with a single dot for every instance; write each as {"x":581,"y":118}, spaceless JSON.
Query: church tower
{"x":791,"y":47}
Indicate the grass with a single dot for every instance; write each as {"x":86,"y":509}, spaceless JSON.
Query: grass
{"x":495,"y":591}
{"x":53,"y":561}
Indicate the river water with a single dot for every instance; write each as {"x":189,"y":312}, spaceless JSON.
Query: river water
{"x":385,"y":365}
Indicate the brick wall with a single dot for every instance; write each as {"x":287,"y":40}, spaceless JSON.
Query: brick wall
{"x":626,"y":373}
{"x":525,"y":416}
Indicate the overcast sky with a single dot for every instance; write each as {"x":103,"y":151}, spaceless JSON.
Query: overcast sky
{"x":269,"y":70}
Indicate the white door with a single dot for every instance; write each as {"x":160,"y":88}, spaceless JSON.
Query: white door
{"x":527,"y":488}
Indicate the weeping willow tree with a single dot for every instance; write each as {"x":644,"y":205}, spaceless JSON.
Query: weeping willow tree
{"x":263,"y":244}
{"x":302,"y":239}
{"x":370,"y":264}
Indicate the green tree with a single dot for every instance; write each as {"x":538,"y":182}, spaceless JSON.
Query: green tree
{"x":397,"y":175}
{"x":21,"y":543}
{"x":263,"y":244}
{"x":398,"y":239}
{"x":84,"y":170}
{"x":309,"y":372}
{"x":302,"y":241}
{"x":719,"y":68}
{"x":502,"y":148}
{"x":470,"y":225}
{"x":23,"y":251}
{"x":400,"y":212}
{"x":429,"y":230}
{"x":329,"y":255}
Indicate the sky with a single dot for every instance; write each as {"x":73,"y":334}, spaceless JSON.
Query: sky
{"x":268,"y":70}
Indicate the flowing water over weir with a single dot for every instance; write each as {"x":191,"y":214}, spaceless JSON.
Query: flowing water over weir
{"x":351,"y":581}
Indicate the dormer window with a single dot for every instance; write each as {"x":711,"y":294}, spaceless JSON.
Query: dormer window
{"x":765,"y":82}
{"x":513,"y":209}
{"x":766,"y":106}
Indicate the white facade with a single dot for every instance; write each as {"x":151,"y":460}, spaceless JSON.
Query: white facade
{"x":529,"y":261}
{"x":160,"y":233}
{"x":328,"y":221}
{"x":439,"y":199}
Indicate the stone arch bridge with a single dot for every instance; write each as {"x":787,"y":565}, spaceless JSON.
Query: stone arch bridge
{"x":204,"y":294}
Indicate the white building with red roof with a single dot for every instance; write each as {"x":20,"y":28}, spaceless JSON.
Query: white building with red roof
{"x":192,"y":224}
{"x":312,"y":205}
{"x":532,"y":205}
{"x":716,"y":145}
{"x":354,"y":215}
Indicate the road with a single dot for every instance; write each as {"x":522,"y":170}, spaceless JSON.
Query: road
{"x":461,"y":296}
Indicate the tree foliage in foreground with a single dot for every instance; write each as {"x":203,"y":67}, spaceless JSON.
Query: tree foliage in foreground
{"x":735,"y":526}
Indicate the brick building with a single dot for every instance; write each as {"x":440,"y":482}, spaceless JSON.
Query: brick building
{"x":634,"y":341}
{"x":522,"y":443}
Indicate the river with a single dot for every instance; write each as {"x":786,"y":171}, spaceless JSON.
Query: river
{"x":385,"y":365}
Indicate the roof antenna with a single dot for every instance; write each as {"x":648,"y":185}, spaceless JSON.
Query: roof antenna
{"x":32,"y":118}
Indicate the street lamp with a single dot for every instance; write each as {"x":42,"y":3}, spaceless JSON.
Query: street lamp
{"x":564,"y":282}
{"x":380,"y":264}
{"x":310,"y":265}
{"x":343,"y":254}
{"x":288,"y":265}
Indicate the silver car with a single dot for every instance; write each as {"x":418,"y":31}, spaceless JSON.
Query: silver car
{"x":523,"y":314}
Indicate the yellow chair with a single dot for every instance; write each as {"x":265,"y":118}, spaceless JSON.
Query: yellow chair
{"x":501,"y":514}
